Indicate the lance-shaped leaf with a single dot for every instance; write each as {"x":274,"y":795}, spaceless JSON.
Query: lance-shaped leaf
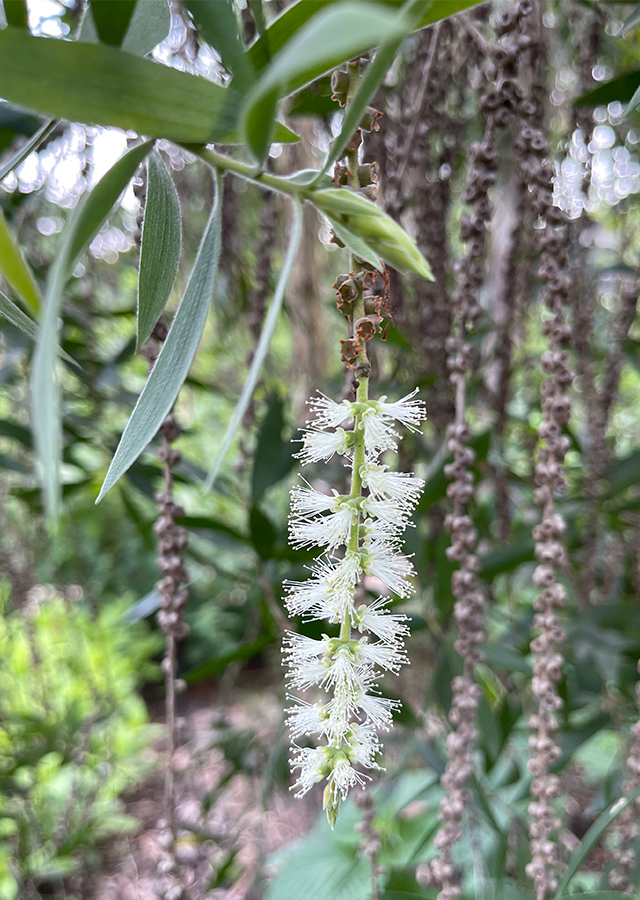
{"x":262,"y":348}
{"x":35,"y":141}
{"x":622,"y":89}
{"x":15,"y":269}
{"x":173,"y":363}
{"x":288,"y":23}
{"x":112,"y":19}
{"x":631,"y":21}
{"x":16,"y":13}
{"x":149,"y":25}
{"x":103,"y":85}
{"x":14,"y":314}
{"x":160,"y":248}
{"x":218,"y":25}
{"x":333,"y":35}
{"x":16,"y":317}
{"x":588,"y":842}
{"x":352,"y":214}
{"x":102,"y":199}
{"x":78,"y":233}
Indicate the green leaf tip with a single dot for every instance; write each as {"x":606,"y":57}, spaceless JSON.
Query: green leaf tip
{"x":173,"y":364}
{"x":351,"y":213}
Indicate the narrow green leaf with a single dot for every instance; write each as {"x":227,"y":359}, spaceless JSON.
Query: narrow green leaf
{"x":149,"y":26}
{"x":383,"y":236}
{"x":356,"y":245}
{"x":46,"y":422}
{"x":160,"y":249}
{"x":32,"y":144}
{"x":14,"y":314}
{"x":282,"y":29}
{"x":16,"y":13}
{"x":504,"y":559}
{"x":88,"y":32}
{"x":218,"y":24}
{"x":102,"y":199}
{"x":622,"y":88}
{"x":634,"y":102}
{"x":16,"y":317}
{"x":173,"y":363}
{"x":631,"y":21}
{"x":263,"y":345}
{"x":587,"y":844}
{"x":15,"y":269}
{"x":81,"y":228}
{"x":112,"y":18}
{"x":263,"y":533}
{"x":260,"y":128}
{"x":257,"y":11}
{"x":102,"y":85}
{"x":14,"y":122}
{"x":17,"y":432}
{"x":273,"y":457}
{"x":332,"y":36}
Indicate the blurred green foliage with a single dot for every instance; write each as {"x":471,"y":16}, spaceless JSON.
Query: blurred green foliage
{"x":74,"y":734}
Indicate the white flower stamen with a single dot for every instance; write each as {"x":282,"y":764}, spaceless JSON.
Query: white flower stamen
{"x":345,"y":669}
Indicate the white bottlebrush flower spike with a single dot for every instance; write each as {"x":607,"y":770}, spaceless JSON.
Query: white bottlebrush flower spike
{"x":360,"y":535}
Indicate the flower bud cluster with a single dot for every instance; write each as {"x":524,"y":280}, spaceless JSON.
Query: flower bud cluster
{"x":360,"y":535}
{"x":552,"y":243}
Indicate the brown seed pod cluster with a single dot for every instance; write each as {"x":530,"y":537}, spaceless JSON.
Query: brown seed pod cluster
{"x":497,"y":105}
{"x":437,"y":120}
{"x":172,"y":543}
{"x":172,"y":539}
{"x":552,"y":240}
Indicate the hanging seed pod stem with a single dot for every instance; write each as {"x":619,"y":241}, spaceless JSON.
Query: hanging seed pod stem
{"x":552,"y":241}
{"x":172,"y":542}
{"x":497,"y":106}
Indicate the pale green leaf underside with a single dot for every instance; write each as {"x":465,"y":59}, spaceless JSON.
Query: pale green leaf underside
{"x":81,"y":228}
{"x":173,"y":363}
{"x":160,"y":249}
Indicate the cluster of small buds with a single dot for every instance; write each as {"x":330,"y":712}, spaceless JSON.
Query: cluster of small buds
{"x":360,"y":534}
{"x":172,"y":539}
{"x":626,"y":828}
{"x":552,"y":243}
{"x":496,"y":105}
{"x":369,"y":289}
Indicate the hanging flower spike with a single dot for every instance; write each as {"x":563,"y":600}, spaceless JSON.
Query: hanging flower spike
{"x":360,"y":534}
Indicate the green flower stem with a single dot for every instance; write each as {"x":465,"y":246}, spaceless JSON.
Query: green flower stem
{"x":362,"y":365}
{"x":248,"y":172}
